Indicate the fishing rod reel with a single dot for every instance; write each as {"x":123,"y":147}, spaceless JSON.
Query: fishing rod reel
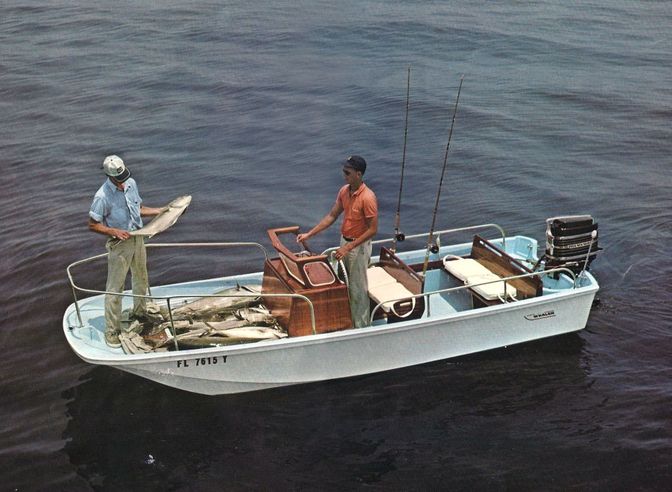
{"x":434,"y":246}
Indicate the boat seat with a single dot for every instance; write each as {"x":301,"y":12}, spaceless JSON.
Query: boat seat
{"x":384,"y":288}
{"x":472,"y":272}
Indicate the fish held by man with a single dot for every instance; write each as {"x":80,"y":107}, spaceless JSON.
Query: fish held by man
{"x":166,"y":218}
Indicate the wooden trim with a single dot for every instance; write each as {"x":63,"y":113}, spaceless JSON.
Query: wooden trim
{"x":401,"y":272}
{"x":432,"y":265}
{"x":299,"y":261}
{"x":331,"y":303}
{"x":500,"y":263}
{"x":407,"y":277}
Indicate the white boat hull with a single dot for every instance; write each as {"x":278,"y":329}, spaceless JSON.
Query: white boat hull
{"x":268,"y":364}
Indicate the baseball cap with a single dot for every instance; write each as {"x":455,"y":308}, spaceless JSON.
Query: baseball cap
{"x":115,"y":168}
{"x":356,"y":162}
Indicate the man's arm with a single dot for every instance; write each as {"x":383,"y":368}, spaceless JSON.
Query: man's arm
{"x":326,"y":221}
{"x":101,"y":228}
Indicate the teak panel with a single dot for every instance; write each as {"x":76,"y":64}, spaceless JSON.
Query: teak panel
{"x":407,"y":277}
{"x":500,"y":263}
{"x":331,"y":303}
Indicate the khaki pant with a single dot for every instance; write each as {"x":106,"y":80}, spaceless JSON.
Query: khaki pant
{"x":356,"y":263}
{"x":125,"y":255}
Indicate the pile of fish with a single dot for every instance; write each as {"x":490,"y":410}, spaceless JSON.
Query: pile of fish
{"x":234,"y":316}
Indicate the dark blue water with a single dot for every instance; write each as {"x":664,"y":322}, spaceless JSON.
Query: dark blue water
{"x":249,"y":106}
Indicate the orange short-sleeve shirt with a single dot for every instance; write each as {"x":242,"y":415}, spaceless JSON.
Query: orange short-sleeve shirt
{"x":358,"y":207}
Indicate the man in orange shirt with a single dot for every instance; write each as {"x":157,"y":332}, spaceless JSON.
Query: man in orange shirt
{"x":360,"y":224}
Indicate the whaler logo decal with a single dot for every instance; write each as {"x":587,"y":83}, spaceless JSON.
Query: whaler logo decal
{"x":537,"y":316}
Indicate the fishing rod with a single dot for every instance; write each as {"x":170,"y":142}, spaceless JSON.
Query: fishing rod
{"x":399,"y":236}
{"x":430,"y":243}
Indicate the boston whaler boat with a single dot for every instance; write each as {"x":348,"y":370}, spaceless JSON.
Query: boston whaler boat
{"x":213,"y":336}
{"x":427,"y":305}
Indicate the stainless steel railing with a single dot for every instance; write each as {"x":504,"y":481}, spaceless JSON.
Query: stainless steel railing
{"x":437,"y":235}
{"x":76,"y":288}
{"x":463,"y":287}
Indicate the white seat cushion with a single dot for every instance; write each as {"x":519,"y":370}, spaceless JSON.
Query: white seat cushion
{"x":472,"y":272}
{"x":378,"y":276}
{"x":491,"y":291}
{"x":391,"y":292}
{"x":464,"y":268}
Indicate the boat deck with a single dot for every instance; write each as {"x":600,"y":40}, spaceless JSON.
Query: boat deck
{"x":444,"y":303}
{"x":449,"y":324}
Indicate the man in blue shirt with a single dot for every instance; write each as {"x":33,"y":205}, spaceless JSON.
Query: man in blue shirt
{"x":117,"y":209}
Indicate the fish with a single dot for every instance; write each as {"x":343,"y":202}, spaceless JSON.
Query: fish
{"x":256,"y":316}
{"x":182,"y":326}
{"x":248,"y":334}
{"x":166,"y":218}
{"x":132,"y":343}
{"x":227,"y":324}
{"x":207,"y":337}
{"x":203,"y":342}
{"x":165,"y":338}
{"x":211,"y":307}
{"x":193,"y":333}
{"x":251,"y":333}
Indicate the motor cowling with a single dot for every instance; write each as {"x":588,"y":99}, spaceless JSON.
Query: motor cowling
{"x":571,"y":242}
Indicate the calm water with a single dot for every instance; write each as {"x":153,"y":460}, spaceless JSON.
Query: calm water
{"x":249,"y":106}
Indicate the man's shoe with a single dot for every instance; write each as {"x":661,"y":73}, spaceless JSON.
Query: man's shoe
{"x":112,"y":339}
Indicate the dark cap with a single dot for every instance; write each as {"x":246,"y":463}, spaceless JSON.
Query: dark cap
{"x":356,"y":162}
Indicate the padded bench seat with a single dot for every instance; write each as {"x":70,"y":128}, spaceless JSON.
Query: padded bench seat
{"x":472,"y":272}
{"x":384,"y":288}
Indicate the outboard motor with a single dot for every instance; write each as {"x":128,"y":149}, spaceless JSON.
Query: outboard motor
{"x":571,"y":242}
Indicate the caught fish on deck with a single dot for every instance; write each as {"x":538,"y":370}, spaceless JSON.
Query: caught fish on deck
{"x":230,"y":337}
{"x":210,"y":307}
{"x":207,"y":337}
{"x":256,"y":315}
{"x":251,"y":333}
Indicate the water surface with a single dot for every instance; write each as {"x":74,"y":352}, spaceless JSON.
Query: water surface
{"x":250,"y":107}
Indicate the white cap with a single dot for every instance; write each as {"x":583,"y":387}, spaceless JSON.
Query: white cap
{"x":115,"y":168}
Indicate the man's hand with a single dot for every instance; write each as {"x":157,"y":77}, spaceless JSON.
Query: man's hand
{"x":302,"y":237}
{"x":119,"y":234}
{"x":342,"y":251}
{"x":108,"y":231}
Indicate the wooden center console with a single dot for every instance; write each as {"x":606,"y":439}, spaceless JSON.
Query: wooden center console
{"x":311,"y":276}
